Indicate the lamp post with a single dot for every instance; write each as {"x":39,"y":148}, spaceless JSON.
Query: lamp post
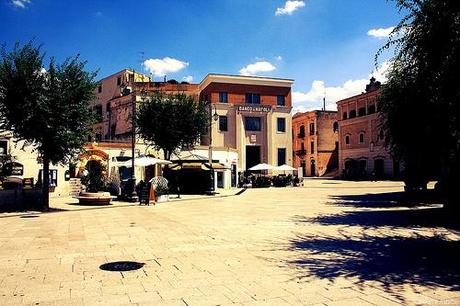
{"x":212,"y":117}
{"x":132,"y":184}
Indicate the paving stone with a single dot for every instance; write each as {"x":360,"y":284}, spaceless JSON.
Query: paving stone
{"x":276,"y":246}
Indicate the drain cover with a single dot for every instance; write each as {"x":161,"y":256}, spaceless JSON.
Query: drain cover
{"x":121,"y":266}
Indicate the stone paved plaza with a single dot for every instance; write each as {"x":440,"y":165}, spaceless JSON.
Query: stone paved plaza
{"x":327,"y":243}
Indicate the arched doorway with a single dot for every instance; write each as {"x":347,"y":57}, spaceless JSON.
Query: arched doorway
{"x":312,"y":168}
{"x":303,"y":165}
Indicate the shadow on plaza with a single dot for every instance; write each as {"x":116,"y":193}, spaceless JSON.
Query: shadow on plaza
{"x":392,"y":261}
{"x":389,"y":259}
{"x":387,"y":199}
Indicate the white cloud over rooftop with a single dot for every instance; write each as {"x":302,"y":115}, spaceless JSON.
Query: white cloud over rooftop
{"x":257,"y":67}
{"x":163,"y":66}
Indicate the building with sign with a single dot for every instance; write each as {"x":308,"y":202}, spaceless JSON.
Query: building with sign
{"x":20,"y":160}
{"x":254,"y":117}
{"x":315,"y":142}
{"x":362,"y":152}
{"x":253,"y":123}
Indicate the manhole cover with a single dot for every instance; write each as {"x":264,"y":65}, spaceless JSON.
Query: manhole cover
{"x":121,"y":266}
{"x":27,"y":217}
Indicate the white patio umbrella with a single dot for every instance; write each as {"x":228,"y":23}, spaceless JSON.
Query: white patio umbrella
{"x":285,"y":168}
{"x":261,"y":166}
{"x":144,"y":161}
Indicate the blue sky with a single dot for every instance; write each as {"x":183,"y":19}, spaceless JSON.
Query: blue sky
{"x":325,"y":45}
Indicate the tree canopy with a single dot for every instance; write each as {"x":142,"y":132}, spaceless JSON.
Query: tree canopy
{"x":170,"y":122}
{"x":47,"y":107}
{"x":420,"y":101}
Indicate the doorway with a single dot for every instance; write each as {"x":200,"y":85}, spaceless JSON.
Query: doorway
{"x":252,"y":156}
{"x":313,"y":168}
{"x":379,"y":168}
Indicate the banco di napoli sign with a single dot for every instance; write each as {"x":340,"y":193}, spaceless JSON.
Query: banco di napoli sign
{"x":254,"y":108}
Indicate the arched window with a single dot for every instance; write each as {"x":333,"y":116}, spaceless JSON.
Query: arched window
{"x":347,"y":139}
{"x":302,"y":131}
{"x":352,"y":114}
{"x":381,"y":135}
{"x":361,"y":137}
{"x":345,"y":115}
{"x":335,"y":126}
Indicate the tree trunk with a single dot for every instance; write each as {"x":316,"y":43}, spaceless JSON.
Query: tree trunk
{"x":46,"y":184}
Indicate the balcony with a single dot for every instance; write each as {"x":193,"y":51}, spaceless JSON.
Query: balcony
{"x":301,"y":152}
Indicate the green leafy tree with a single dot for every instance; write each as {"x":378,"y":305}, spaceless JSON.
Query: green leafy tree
{"x":420,"y":101}
{"x":172,"y":122}
{"x":47,"y":108}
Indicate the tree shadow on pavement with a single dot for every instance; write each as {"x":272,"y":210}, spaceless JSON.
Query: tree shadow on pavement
{"x":382,"y":250}
{"x":388,"y":199}
{"x":392,"y":261}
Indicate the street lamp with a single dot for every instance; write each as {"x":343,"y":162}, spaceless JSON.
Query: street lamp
{"x":212,"y":117}
{"x":132,"y":182}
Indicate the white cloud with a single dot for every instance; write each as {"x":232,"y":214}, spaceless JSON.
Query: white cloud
{"x":20,"y":3}
{"x":187,"y":78}
{"x":160,"y":67}
{"x":289,"y":7}
{"x":313,"y":99}
{"x":253,"y":69}
{"x":381,"y":32}
{"x":279,"y":58}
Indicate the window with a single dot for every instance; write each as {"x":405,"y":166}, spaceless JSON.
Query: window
{"x":280,"y":100}
{"x":223,"y":123}
{"x":281,"y":156}
{"x":362,"y":111}
{"x":98,"y":112}
{"x":119,"y":81}
{"x":371,"y":109}
{"x":352,"y":114}
{"x":347,"y":139}
{"x":52,"y":177}
{"x":302,"y":146}
{"x":99,"y":89}
{"x":312,"y":129}
{"x":361,"y":137}
{"x":281,"y":125}
{"x":301,"y":132}
{"x":223,"y":97}
{"x":3,"y":147}
{"x":107,"y":107}
{"x":345,"y":116}
{"x":312,"y":147}
{"x":252,"y":123}
{"x":335,"y":126}
{"x":381,"y":135}
{"x":131,"y":78}
{"x":252,"y":98}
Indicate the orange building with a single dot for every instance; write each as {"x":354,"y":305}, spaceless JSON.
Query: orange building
{"x":314,"y":140}
{"x":362,"y":153}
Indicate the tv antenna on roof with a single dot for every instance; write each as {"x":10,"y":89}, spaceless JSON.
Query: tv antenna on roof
{"x":324,"y":99}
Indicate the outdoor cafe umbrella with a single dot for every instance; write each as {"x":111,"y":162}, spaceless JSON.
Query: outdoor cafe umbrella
{"x":144,"y":161}
{"x":285,"y":168}
{"x":261,"y":166}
